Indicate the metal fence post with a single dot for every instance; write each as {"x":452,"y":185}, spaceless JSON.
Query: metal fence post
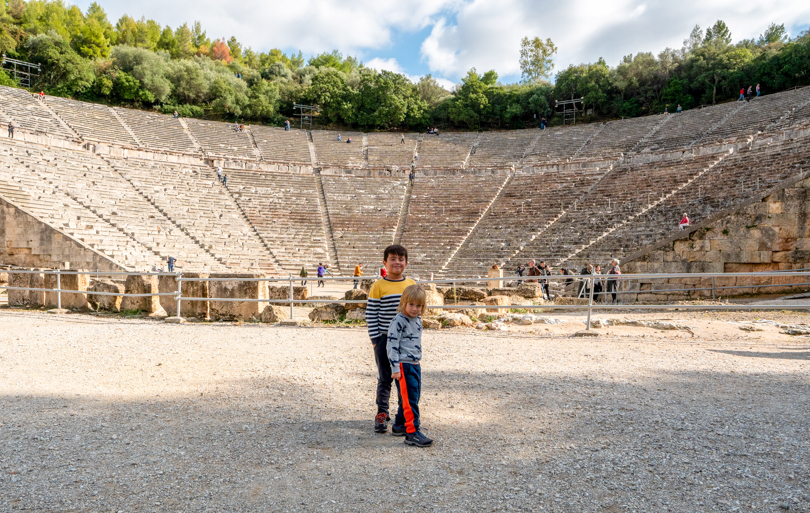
{"x":58,"y":290}
{"x":712,"y":288}
{"x":292,"y":314}
{"x":179,"y":279}
{"x":590,"y":302}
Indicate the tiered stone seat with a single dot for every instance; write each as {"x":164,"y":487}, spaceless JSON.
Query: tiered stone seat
{"x":220,"y":139}
{"x":285,"y":210}
{"x":502,"y":149}
{"x":683,"y":128}
{"x":193,"y":198}
{"x":753,"y":116}
{"x":20,"y":185}
{"x":559,"y":143}
{"x":91,"y":121}
{"x":363,"y":213}
{"x":387,"y":150}
{"x":528,"y":203}
{"x":278,"y":145}
{"x":619,"y":195}
{"x":92,"y":183}
{"x":442,"y":211}
{"x":157,"y":131}
{"x":332,"y":152}
{"x":724,"y":187}
{"x":620,"y":136}
{"x":448,"y":150}
{"x":28,"y":113}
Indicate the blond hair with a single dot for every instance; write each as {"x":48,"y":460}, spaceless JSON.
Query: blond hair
{"x":413,"y":294}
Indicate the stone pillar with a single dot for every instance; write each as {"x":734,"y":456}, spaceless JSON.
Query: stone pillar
{"x":495,"y":273}
{"x":70,"y":301}
{"x":139,"y":284}
{"x":198,"y":309}
{"x":25,"y":297}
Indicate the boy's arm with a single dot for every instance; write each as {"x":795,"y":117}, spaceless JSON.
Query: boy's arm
{"x":394,"y":336}
{"x":373,"y":313}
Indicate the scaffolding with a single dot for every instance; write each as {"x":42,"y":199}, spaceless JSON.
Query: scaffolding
{"x":21,"y":70}
{"x":569,"y":112}
{"x":306,"y":113}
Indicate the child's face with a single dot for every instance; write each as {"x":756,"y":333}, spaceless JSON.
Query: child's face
{"x":412,"y":310}
{"x":395,"y":264}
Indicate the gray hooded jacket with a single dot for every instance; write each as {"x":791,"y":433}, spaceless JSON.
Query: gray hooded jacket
{"x":404,"y":341}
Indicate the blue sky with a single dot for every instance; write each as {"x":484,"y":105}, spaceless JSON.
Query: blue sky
{"x":448,"y":37}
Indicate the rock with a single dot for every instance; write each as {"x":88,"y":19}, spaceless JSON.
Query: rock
{"x":327,"y":312}
{"x":273,"y":314}
{"x":497,"y":301}
{"x":529,"y":290}
{"x":199,"y":309}
{"x":750,"y":328}
{"x":431,"y":324}
{"x":465,"y":293}
{"x":356,"y":314}
{"x":29,"y":298}
{"x":3,"y":277}
{"x":503,"y":291}
{"x":109,"y":303}
{"x":795,"y":331}
{"x":283,"y":292}
{"x":68,"y":282}
{"x":472,"y":313}
{"x":433,"y":297}
{"x":355,"y":295}
{"x":237,"y":286}
{"x":455,"y":319}
{"x":135,"y":284}
{"x":366,"y":283}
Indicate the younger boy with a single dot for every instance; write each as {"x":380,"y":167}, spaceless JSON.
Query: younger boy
{"x":404,"y":354}
{"x":383,"y":301}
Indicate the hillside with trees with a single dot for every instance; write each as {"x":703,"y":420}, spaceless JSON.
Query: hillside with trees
{"x":141,"y":64}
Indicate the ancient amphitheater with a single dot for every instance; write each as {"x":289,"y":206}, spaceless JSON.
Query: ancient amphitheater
{"x":94,"y":187}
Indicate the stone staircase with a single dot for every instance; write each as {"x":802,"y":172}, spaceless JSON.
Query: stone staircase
{"x":716,"y":125}
{"x":126,"y":126}
{"x":194,"y":140}
{"x":327,"y":224}
{"x":313,"y":156}
{"x":403,"y":213}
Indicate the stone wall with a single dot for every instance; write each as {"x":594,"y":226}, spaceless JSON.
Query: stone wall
{"x":770,"y":235}
{"x":25,"y":241}
{"x":237,"y":288}
{"x":197,"y":309}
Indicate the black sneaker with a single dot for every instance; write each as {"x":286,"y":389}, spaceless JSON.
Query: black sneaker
{"x":418,"y":439}
{"x":398,"y":430}
{"x":381,"y":423}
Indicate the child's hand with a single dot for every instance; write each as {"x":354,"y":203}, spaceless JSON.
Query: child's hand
{"x":396,"y":375}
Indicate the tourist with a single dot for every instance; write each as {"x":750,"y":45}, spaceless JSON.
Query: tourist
{"x":402,"y":141}
{"x":436,"y":131}
{"x":235,"y":126}
{"x":543,"y":123}
{"x":287,"y":125}
{"x":383,"y":300}
{"x":404,"y":351}
{"x":520,"y":269}
{"x":666,"y":110}
{"x":598,"y":286}
{"x":42,"y":95}
{"x":684,"y":222}
{"x":219,"y":174}
{"x":170,"y":261}
{"x":176,"y":114}
{"x":224,"y":180}
{"x":303,"y":274}
{"x":339,"y":139}
{"x":321,"y":270}
{"x":411,"y":175}
{"x":584,"y":286}
{"x":358,"y":272}
{"x":533,"y":271}
{"x":612,"y":283}
{"x":545,"y":271}
{"x":742,"y":95}
{"x":415,"y":156}
{"x":750,"y":92}
{"x":679,"y":109}
{"x":383,"y":271}
{"x":10,"y":130}
{"x":348,"y":140}
{"x":757,"y":90}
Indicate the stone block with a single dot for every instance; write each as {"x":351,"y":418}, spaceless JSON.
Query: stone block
{"x":508,"y":291}
{"x":454,"y":319}
{"x":70,"y":301}
{"x":498,"y":301}
{"x":774,"y":207}
{"x":300,"y":292}
{"x":25,"y":297}
{"x":273,"y":314}
{"x":3,"y":278}
{"x":366,"y":283}
{"x":140,"y":284}
{"x":327,"y":312}
{"x":529,"y":290}
{"x":236,"y":287}
{"x":197,"y":309}
{"x":495,"y":273}
{"x":465,"y":294}
{"x":431,"y":324}
{"x":355,"y":295}
{"x":356,"y":314}
{"x":108,"y":303}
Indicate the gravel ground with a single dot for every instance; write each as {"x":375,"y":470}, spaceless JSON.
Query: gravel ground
{"x":103,"y":414}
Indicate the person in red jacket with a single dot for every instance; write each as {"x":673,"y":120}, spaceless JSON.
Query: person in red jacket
{"x":684,"y":222}
{"x":742,"y":95}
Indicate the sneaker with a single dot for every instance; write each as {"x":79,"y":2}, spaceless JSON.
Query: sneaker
{"x":418,"y":439}
{"x":381,"y":423}
{"x":398,"y":430}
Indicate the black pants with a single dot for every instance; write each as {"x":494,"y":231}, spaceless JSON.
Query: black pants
{"x":409,"y":388}
{"x":544,"y":287}
{"x":356,"y":283}
{"x":612,"y":288}
{"x":384,"y":379}
{"x":320,"y":282}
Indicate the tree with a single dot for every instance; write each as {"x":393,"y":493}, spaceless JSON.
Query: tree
{"x":64,"y":71}
{"x":430,"y":91}
{"x":536,"y":59}
{"x":774,"y":34}
{"x":221,"y":52}
{"x":147,"y":67}
{"x":718,"y":35}
{"x":188,"y":82}
{"x":236,"y":49}
{"x":184,"y":38}
{"x":470,"y":101}
{"x":91,"y":41}
{"x":694,"y":41}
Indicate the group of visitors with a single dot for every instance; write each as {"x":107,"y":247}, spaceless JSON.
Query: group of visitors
{"x":432,"y":130}
{"x":238,"y":127}
{"x":602,"y":287}
{"x":348,"y":139}
{"x":221,"y":177}
{"x":323,"y":269}
{"x":749,"y":93}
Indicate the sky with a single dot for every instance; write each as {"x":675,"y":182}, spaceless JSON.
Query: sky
{"x":448,"y":37}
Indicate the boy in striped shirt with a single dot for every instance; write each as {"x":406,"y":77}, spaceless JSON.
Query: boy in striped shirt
{"x":383,"y":301}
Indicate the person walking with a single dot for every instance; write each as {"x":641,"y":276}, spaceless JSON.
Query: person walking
{"x":303,"y":274}
{"x":757,"y":90}
{"x":10,"y":130}
{"x":679,"y":109}
{"x":358,"y":272}
{"x":321,"y":270}
{"x":613,"y":284}
{"x":402,"y":141}
{"x":750,"y":92}
{"x":171,"y":260}
{"x":225,"y":181}
{"x":742,"y":95}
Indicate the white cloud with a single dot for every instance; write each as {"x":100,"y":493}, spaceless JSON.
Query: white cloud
{"x":486,"y":34}
{"x":392,"y":65}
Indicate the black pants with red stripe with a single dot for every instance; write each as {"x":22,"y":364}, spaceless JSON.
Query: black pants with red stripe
{"x":409,"y":388}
